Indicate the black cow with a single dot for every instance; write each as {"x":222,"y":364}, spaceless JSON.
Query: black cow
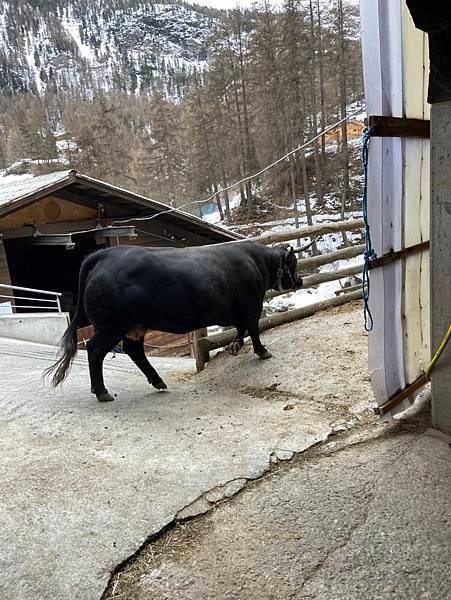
{"x":127,"y":290}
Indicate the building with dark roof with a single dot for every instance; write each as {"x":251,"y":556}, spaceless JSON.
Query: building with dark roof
{"x":49,"y":223}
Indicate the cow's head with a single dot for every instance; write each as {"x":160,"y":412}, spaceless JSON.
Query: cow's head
{"x":287,"y":276}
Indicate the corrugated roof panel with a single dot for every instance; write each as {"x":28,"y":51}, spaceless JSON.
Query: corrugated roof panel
{"x":16,"y":187}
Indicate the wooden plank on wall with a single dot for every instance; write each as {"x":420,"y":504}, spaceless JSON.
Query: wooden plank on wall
{"x":4,"y":270}
{"x":425,"y":204}
{"x":413,"y":56}
{"x":382,"y":126}
{"x":412,"y":331}
{"x":5,"y":277}
{"x":371,"y":50}
{"x":391,"y":41}
{"x":156,"y":343}
{"x":425,"y":287}
{"x":48,"y":210}
{"x":382,"y":51}
{"x":157,"y":234}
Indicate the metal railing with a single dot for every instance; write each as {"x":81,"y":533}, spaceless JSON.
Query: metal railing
{"x":46,"y":304}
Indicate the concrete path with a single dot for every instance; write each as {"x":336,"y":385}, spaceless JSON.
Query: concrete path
{"x":367,"y":517}
{"x":84,"y":484}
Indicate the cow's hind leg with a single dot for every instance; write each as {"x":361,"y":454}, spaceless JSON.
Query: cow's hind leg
{"x":98,"y":347}
{"x":235,"y":346}
{"x":135,"y":350}
{"x":259,"y":349}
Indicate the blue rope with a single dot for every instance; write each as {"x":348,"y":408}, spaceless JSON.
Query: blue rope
{"x":369,"y":253}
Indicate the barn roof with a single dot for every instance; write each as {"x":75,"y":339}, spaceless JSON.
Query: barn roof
{"x":20,"y":186}
{"x":20,"y":191}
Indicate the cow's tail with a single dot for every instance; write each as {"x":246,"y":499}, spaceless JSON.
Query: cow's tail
{"x":68,"y":346}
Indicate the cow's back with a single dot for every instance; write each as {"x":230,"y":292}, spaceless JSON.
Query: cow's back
{"x":175,"y":289}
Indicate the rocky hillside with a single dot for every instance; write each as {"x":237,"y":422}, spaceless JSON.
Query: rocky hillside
{"x":177,"y":101}
{"x":116,"y":45}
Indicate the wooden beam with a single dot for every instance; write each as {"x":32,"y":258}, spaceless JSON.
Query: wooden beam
{"x":307,"y":231}
{"x":52,"y":228}
{"x":312,"y":280}
{"x":329,"y":257}
{"x":5,"y":276}
{"x":201,"y":355}
{"x":386,"y":259}
{"x":347,"y":290}
{"x":383,"y":126}
{"x":401,"y":395}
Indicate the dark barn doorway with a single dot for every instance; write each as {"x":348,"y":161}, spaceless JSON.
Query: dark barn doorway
{"x":52,"y":268}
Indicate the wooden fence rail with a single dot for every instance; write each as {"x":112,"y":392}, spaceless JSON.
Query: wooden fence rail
{"x":347,"y":290}
{"x":329,"y":257}
{"x":308,"y":230}
{"x":311,"y":280}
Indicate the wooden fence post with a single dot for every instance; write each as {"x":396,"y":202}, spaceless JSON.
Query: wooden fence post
{"x":201,"y":354}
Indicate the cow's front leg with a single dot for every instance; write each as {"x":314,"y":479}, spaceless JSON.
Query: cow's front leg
{"x":259,"y":349}
{"x":135,"y":350}
{"x":235,"y":346}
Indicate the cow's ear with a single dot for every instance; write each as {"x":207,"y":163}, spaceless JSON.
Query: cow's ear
{"x":289,"y":252}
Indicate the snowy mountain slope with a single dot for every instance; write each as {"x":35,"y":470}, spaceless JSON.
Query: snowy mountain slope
{"x":122,"y":45}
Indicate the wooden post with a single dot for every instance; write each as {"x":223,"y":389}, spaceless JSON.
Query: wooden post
{"x":201,"y":355}
{"x":441,"y":260}
{"x":5,"y":275}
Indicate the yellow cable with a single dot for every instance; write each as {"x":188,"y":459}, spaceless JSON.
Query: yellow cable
{"x":438,"y":353}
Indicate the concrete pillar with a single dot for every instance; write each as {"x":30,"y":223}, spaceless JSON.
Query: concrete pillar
{"x":441,"y":260}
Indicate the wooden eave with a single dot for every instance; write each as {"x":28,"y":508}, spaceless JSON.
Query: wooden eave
{"x":75,"y":182}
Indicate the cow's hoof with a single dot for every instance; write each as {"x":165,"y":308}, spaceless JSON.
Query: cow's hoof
{"x":234,"y":347}
{"x":264,"y":355}
{"x":106,"y":397}
{"x":160,"y":385}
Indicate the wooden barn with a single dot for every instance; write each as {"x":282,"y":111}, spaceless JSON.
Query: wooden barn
{"x":49,"y":223}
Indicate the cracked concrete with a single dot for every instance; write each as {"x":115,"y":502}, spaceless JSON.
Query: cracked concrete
{"x":347,"y":521}
{"x":83,"y":485}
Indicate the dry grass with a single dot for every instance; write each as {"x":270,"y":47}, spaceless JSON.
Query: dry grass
{"x":172,"y":546}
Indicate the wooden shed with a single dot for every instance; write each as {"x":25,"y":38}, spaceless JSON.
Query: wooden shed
{"x":36,"y":212}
